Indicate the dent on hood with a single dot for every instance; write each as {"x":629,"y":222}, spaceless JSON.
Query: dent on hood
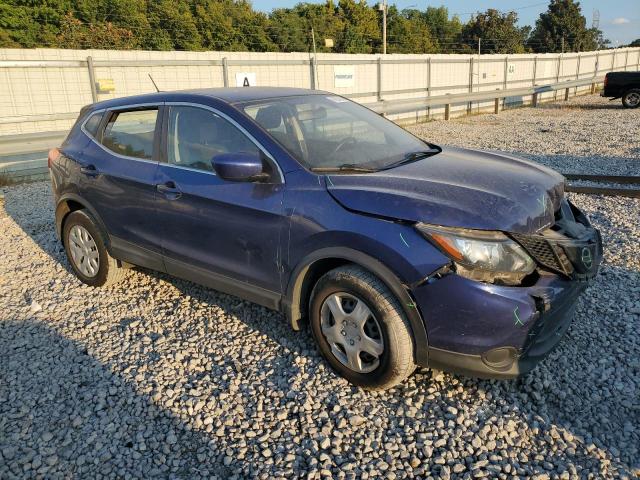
{"x":458,"y":188}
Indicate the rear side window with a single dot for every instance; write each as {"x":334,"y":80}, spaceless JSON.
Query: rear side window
{"x":131,"y":133}
{"x":92,"y":124}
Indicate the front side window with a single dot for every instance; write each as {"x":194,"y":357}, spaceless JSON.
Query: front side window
{"x":131,"y":133}
{"x":196,"y":135}
{"x":327,"y":131}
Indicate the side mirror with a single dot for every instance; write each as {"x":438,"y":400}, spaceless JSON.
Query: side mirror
{"x":240,"y":167}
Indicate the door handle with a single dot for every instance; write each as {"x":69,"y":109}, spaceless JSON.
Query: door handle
{"x":89,"y":170}
{"x":169,"y":190}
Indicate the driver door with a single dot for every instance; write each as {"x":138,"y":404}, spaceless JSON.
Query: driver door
{"x":219,"y":233}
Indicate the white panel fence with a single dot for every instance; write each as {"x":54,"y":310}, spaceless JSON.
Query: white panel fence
{"x":44,"y":89}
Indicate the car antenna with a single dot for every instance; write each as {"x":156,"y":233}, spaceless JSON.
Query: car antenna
{"x":154,"y":83}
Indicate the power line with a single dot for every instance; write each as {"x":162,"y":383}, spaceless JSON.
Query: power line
{"x":509,"y":10}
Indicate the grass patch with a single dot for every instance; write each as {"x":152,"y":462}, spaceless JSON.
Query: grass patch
{"x":5,"y":179}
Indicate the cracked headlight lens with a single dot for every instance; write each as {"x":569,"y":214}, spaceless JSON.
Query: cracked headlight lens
{"x":481,"y":255}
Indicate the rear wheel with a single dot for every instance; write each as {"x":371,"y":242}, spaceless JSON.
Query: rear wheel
{"x":631,"y":98}
{"x":361,"y":329}
{"x":85,"y":246}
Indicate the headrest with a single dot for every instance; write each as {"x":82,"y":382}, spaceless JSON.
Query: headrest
{"x":269,"y":117}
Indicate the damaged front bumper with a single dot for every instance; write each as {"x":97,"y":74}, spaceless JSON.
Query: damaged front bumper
{"x":496,"y":331}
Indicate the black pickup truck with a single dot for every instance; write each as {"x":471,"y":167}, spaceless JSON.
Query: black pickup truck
{"x":625,"y":85}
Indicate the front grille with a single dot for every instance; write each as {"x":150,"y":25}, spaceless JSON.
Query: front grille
{"x":543,"y":252}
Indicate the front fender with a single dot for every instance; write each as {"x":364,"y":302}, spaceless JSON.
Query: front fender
{"x":294,"y":300}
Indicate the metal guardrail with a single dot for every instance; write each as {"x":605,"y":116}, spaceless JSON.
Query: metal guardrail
{"x":609,"y":185}
{"x":388,"y":107}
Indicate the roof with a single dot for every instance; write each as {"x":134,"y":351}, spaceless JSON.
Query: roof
{"x":228,"y":95}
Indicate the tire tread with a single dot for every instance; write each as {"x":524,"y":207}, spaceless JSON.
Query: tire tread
{"x":114,"y":273}
{"x":395,"y":317}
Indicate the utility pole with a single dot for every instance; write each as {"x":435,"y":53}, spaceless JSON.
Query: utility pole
{"x":315,"y":58}
{"x":383,"y":6}
{"x":313,"y":40}
{"x":595,"y":19}
{"x":479,"y":53}
{"x":562,"y":43}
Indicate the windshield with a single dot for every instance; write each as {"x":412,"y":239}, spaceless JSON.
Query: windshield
{"x":332,"y":133}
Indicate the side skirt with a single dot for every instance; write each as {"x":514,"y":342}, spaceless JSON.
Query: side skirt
{"x":224,"y":284}
{"x":131,"y":253}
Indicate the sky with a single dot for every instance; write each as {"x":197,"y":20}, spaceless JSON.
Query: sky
{"x":619,"y":19}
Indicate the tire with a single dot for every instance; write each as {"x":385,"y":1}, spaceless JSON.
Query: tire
{"x":74,"y":231}
{"x":631,"y":98}
{"x":385,"y":336}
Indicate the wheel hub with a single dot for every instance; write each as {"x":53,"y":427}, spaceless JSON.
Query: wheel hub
{"x":351,"y":332}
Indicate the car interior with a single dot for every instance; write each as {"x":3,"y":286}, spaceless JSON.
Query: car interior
{"x":309,"y":135}
{"x":197,"y":135}
{"x":131,"y":133}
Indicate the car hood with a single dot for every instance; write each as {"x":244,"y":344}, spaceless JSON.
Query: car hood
{"x":458,"y":188}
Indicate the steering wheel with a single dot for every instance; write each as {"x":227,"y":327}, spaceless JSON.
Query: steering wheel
{"x":343,"y":143}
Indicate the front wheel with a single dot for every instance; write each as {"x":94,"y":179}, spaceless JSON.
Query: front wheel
{"x":361,"y":329}
{"x":631,"y":98}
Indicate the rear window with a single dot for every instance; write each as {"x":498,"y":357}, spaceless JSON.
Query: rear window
{"x":130,"y":133}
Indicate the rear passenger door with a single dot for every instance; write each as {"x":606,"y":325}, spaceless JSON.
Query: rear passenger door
{"x":118,"y":178}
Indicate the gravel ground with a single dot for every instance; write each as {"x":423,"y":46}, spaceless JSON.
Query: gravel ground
{"x":158,"y":377}
{"x":587,"y":134}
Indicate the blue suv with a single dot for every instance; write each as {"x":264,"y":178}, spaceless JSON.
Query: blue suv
{"x":397,"y":252}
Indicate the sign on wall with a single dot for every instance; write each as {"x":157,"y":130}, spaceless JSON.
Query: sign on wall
{"x":246,"y":79}
{"x":105,"y":85}
{"x":343,"y":76}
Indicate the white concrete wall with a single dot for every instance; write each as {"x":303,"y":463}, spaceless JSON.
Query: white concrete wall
{"x":46,"y":98}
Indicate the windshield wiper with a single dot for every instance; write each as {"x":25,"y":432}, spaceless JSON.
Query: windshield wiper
{"x":413,"y":156}
{"x":345,"y":167}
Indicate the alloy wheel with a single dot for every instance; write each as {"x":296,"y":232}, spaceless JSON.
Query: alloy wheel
{"x":633,"y":99}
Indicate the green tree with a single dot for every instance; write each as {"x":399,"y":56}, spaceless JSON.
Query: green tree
{"x":445,"y":32}
{"x":499,"y":32}
{"x":252,"y":28}
{"x":291,"y":28}
{"x":635,"y":43}
{"x":104,"y":35}
{"x":407,"y":32}
{"x":172,"y":26}
{"x":564,"y":26}
{"x":362,"y":31}
{"x":214,"y":24}
{"x":31,"y":24}
{"x":231,"y":25}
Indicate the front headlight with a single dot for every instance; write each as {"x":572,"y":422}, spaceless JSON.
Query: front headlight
{"x":481,"y":255}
